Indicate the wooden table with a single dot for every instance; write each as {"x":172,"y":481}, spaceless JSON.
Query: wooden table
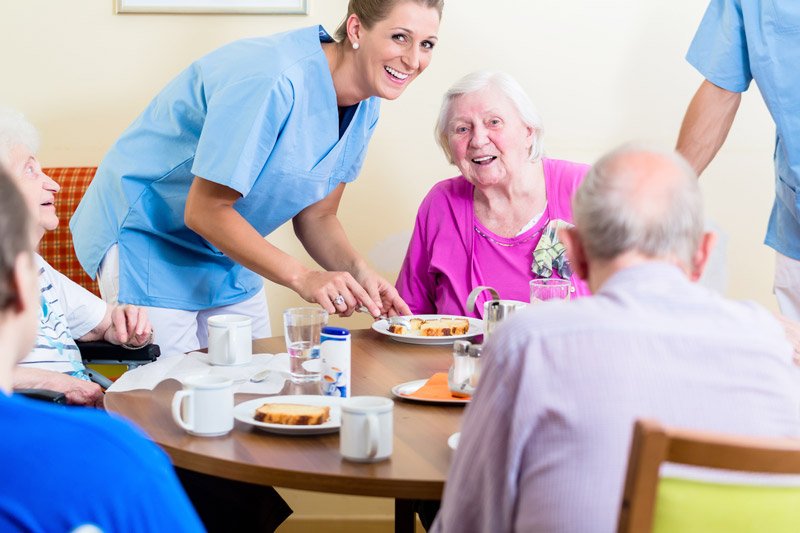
{"x":416,"y":470}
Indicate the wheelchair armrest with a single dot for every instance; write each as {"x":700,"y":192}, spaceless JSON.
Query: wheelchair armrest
{"x":44,"y":395}
{"x":96,"y":351}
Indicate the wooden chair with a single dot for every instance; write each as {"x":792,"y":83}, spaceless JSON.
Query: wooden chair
{"x":668,"y":504}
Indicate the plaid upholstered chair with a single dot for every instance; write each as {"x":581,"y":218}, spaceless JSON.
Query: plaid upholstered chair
{"x":56,"y":248}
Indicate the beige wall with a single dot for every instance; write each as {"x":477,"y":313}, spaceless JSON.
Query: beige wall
{"x":601,"y":72}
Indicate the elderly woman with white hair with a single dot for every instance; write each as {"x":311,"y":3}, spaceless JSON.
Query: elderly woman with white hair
{"x":496,"y":224}
{"x":68,"y":311}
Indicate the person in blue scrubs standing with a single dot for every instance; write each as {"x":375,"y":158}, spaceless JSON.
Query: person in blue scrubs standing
{"x":737,"y":42}
{"x":256,"y":133}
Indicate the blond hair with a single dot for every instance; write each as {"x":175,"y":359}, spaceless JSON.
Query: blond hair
{"x":370,"y":12}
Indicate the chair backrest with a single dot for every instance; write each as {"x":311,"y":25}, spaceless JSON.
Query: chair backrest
{"x":664,"y":504}
{"x":56,"y":246}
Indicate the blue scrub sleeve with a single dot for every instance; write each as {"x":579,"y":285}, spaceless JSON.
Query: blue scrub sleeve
{"x":242,"y":124}
{"x":719,"y":49}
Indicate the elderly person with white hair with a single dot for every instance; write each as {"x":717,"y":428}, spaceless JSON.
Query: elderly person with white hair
{"x":496,"y":224}
{"x":68,"y":312}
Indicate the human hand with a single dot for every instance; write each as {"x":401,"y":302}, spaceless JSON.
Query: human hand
{"x":130,"y":326}
{"x":82,"y":392}
{"x":383,"y":292}
{"x":77,"y":391}
{"x":325,"y":289}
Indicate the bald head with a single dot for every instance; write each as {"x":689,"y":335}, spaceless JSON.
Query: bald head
{"x":640,"y":199}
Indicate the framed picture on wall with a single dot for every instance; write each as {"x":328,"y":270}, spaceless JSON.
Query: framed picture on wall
{"x":288,"y":7}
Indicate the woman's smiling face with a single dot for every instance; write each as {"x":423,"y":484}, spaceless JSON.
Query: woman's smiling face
{"x":487,"y":138}
{"x":396,"y":49}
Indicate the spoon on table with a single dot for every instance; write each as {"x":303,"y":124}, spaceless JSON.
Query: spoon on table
{"x":260,"y":376}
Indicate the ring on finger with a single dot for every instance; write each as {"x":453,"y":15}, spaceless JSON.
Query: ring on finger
{"x":339,"y":300}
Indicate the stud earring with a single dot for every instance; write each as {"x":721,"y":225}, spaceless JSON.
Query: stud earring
{"x":356,"y":46}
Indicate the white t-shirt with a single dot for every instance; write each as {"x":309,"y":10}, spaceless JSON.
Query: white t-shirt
{"x":68,"y":312}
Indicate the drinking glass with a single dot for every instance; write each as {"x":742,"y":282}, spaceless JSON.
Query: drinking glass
{"x":302,"y":328}
{"x":543,"y":289}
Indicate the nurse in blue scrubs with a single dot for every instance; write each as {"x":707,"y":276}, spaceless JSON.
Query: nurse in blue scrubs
{"x":256,"y":133}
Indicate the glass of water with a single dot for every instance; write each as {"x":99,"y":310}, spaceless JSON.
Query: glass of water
{"x":543,"y":289}
{"x":302,"y":327}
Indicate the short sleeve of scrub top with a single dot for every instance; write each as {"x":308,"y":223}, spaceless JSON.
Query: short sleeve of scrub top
{"x":719,"y":49}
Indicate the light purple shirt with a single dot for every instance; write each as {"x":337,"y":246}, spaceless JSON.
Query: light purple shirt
{"x":544,"y":444}
{"x":447,"y":257}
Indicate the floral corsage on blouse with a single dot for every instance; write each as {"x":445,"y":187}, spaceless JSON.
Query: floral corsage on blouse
{"x":550,"y":255}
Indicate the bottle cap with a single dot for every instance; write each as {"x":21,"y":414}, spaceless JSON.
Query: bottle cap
{"x":461,"y":346}
{"x":332,"y":330}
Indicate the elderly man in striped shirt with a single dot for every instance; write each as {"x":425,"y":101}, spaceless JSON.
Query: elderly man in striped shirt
{"x":544,"y":444}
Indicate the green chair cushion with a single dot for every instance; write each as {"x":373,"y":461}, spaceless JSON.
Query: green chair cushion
{"x":689,"y":506}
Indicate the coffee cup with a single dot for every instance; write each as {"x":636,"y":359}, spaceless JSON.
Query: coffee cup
{"x":205,"y":406}
{"x":230,"y":340}
{"x":366,"y":434}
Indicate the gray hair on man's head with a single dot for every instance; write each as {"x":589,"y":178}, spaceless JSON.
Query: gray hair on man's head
{"x":506,"y":84}
{"x":640,"y":198}
{"x":15,"y":130}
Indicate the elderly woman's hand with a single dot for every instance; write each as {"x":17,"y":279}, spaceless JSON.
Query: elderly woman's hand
{"x":129,"y":326}
{"x":77,"y":391}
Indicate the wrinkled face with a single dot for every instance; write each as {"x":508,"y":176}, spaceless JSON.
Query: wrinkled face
{"x":37,"y":187}
{"x":396,"y":50}
{"x":488,"y":140}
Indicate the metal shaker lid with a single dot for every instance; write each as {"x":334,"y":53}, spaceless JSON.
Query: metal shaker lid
{"x":475,"y":350}
{"x":461,"y":347}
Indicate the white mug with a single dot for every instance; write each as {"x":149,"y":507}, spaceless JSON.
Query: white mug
{"x":230,"y":339}
{"x":366,"y":434}
{"x":205,"y":406}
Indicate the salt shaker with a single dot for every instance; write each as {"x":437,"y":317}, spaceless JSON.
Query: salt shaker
{"x":459,"y":377}
{"x":474,"y":352}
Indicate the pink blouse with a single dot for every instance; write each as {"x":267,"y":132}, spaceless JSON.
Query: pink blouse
{"x":451,"y":252}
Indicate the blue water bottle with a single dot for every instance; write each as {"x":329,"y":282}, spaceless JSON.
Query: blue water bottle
{"x":334,"y":351}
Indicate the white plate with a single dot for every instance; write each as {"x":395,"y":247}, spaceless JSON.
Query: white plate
{"x":475,"y":328}
{"x":452,"y":441}
{"x":410,"y":387}
{"x":245,"y":411}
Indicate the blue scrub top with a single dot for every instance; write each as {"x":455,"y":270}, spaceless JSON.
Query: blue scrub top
{"x":739,"y":41}
{"x":257,"y":115}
